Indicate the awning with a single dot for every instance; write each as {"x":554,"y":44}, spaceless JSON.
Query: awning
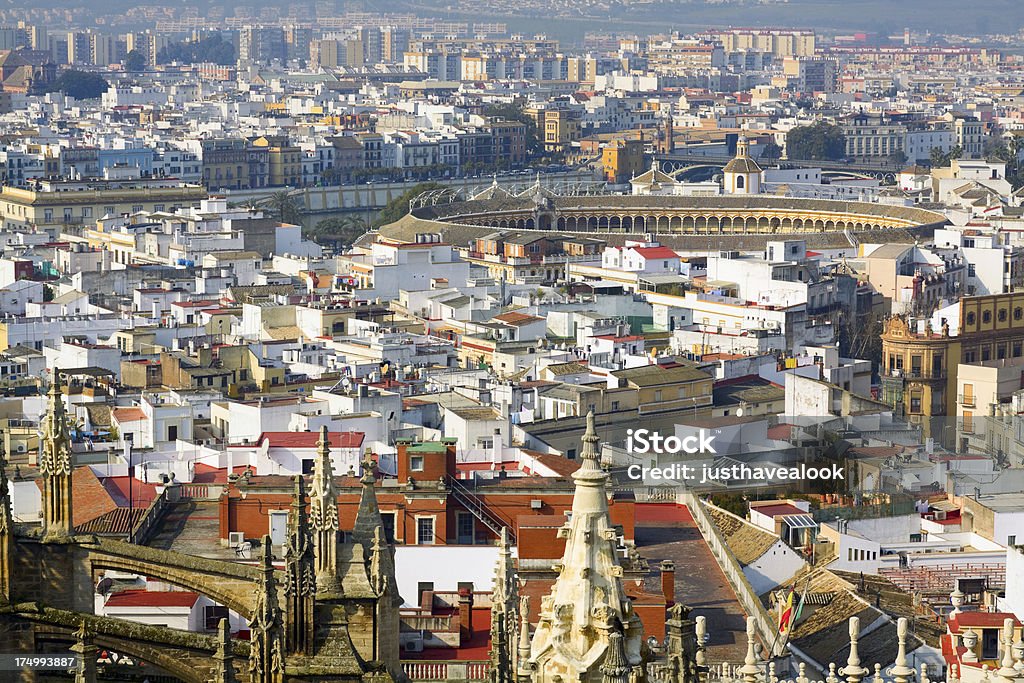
{"x":800,"y":522}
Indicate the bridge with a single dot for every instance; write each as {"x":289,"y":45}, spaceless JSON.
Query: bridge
{"x":884,"y":171}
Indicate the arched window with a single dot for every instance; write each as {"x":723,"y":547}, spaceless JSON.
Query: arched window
{"x":739,"y":182}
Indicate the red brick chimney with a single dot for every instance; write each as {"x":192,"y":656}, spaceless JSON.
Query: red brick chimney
{"x":668,"y":582}
{"x":465,"y":614}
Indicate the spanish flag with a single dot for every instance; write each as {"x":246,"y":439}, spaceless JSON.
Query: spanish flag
{"x":787,"y":614}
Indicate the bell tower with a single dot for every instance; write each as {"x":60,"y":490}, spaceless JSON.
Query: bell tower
{"x":742,"y":174}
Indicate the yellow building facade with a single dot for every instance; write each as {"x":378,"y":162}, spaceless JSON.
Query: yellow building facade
{"x":919,"y":368}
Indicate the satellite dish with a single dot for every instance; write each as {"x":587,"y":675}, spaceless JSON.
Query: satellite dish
{"x":739,"y":412}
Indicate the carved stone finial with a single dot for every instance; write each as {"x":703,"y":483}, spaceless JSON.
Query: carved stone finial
{"x":1006,"y":669}
{"x":853,"y":671}
{"x":750,"y":670}
{"x":900,"y":671}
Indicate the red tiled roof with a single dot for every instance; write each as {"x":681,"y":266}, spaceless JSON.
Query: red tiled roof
{"x":514,"y":318}
{"x":91,"y":498}
{"x":310,"y":439}
{"x":118,"y":488}
{"x":152,"y":599}
{"x":656,"y":252}
{"x":128,"y":414}
{"x":118,"y":521}
{"x":778,"y":509}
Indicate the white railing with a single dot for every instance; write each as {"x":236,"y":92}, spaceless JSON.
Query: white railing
{"x":446,"y":671}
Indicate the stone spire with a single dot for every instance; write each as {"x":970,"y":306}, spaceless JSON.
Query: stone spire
{"x":85,"y":669}
{"x":504,"y":615}
{"x":379,"y":556}
{"x":300,"y":581}
{"x":587,"y":603}
{"x":6,"y":534}
{"x":223,"y":659}
{"x":56,"y":467}
{"x":615,"y":668}
{"x":323,"y":513}
{"x":266,"y":650}
{"x":368,"y":515}
{"x":523,"y":650}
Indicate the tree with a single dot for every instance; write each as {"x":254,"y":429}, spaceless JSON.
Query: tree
{"x":328,"y":176}
{"x":898,"y":158}
{"x":819,"y":141}
{"x":399,"y":206}
{"x":282,"y":206}
{"x":939,"y":158}
{"x":344,"y":231}
{"x":78,"y":84}
{"x":212,"y":49}
{"x":771,"y":151}
{"x":134,"y":61}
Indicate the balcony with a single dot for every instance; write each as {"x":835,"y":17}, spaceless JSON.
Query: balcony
{"x":967,"y":400}
{"x":914,"y":373}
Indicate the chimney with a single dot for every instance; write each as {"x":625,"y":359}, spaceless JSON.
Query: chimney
{"x":465,"y":612}
{"x":668,"y":582}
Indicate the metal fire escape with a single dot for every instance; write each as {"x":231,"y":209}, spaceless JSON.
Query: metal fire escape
{"x":465,"y":497}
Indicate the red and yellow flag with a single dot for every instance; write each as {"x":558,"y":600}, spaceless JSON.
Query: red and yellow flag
{"x":787,"y":614}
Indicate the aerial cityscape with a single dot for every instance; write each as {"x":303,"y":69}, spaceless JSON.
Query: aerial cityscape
{"x":588,"y":341}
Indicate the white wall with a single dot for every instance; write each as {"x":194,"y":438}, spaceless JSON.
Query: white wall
{"x":779,"y":564}
{"x":418,"y":563}
{"x":1014,"y":600}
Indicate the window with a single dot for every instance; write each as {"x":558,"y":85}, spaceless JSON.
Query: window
{"x":970,"y":317}
{"x":416,"y":463}
{"x":388,"y":522}
{"x":212,"y":616}
{"x":464,"y":527}
{"x":739,"y":182}
{"x":425,"y":530}
{"x":1011,"y":540}
{"x":657,"y":395}
{"x":1002,"y":315}
{"x":986,"y":316}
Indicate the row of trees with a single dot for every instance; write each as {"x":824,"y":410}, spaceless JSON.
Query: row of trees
{"x":81,"y":85}
{"x":211,"y":49}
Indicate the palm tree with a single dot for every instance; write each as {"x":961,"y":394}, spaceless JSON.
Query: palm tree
{"x":282,"y":206}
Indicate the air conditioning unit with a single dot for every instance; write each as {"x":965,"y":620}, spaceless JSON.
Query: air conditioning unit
{"x":236,"y":538}
{"x":414,"y":646}
{"x":536,"y":504}
{"x":940,"y":514}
